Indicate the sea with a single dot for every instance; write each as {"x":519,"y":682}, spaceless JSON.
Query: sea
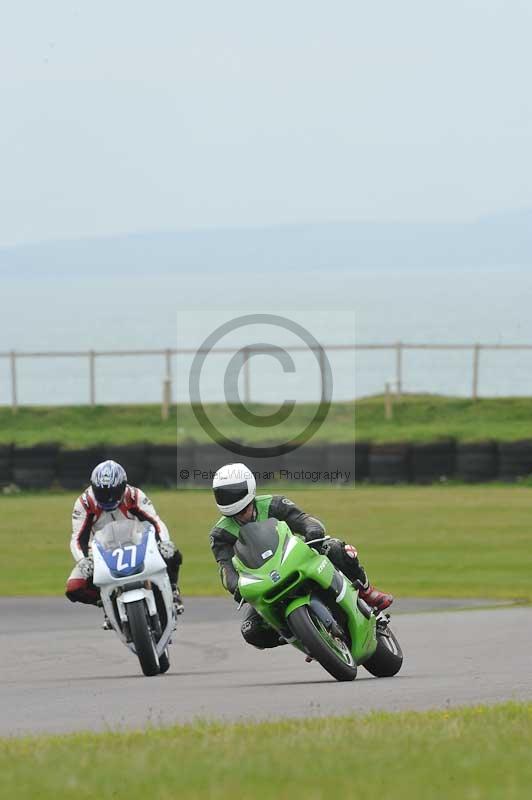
{"x":285,"y":316}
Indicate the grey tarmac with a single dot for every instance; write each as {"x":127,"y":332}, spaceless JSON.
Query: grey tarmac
{"x":59,"y":672}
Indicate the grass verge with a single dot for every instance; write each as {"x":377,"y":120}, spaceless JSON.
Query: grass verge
{"x":416,"y":418}
{"x":442,"y":541}
{"x":481,"y":752}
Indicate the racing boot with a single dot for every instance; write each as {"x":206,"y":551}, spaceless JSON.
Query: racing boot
{"x":374,"y":598}
{"x":347,"y":556}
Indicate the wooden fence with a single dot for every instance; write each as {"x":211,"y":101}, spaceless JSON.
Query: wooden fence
{"x":92,"y":357}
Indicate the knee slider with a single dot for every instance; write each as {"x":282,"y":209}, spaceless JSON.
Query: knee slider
{"x":87,"y":595}
{"x":250,"y":629}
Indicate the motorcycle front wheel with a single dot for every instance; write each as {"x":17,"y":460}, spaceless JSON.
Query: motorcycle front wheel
{"x":164,"y":662}
{"x":387,"y":659}
{"x":332,"y":653}
{"x":142,"y":637}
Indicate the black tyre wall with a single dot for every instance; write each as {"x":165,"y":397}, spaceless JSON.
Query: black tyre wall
{"x":515,"y":460}
{"x":6,"y":456}
{"x":35,"y":467}
{"x":432,"y":462}
{"x":340,"y":458}
{"x":74,"y":467}
{"x":309,"y":458}
{"x":361,"y":460}
{"x":134,"y":459}
{"x":389,"y":463}
{"x":476,"y":463}
{"x":162,"y":465}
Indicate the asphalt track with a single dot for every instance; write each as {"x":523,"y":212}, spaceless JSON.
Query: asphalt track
{"x":59,"y":672}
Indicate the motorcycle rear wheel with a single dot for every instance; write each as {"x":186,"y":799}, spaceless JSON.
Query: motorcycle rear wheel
{"x":142,"y":637}
{"x":334,"y":656}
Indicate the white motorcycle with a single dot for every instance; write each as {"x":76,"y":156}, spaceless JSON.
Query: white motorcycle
{"x":135,"y":590}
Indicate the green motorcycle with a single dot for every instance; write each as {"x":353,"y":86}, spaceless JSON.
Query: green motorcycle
{"x":311,"y":604}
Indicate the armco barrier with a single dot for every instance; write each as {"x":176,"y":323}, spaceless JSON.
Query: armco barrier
{"x":433,"y":461}
{"x":476,"y":462}
{"x":35,"y":467}
{"x":192,"y":465}
{"x":515,"y":460}
{"x":389,"y":463}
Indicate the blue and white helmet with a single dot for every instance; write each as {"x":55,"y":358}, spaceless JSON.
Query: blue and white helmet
{"x":108,"y":481}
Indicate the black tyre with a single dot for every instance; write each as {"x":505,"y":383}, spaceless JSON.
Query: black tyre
{"x":142,"y":637}
{"x":164,"y":662}
{"x":332,"y":653}
{"x":387,"y":659}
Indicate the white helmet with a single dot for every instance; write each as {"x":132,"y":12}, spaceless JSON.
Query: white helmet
{"x":234,"y":488}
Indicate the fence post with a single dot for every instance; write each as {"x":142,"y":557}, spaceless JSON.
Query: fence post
{"x":92,"y":378}
{"x":476,"y":357}
{"x":388,"y":407}
{"x":246,"y":352}
{"x":168,"y":359}
{"x":399,"y":368}
{"x":14,"y":398}
{"x":167,"y":399}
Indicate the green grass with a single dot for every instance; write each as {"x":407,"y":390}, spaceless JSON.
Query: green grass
{"x":442,"y":541}
{"x":416,"y":418}
{"x":478,"y":753}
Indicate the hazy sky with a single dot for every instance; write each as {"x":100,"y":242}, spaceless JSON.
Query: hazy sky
{"x":133,"y":116}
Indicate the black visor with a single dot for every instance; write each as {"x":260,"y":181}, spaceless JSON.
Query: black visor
{"x":227,"y":495}
{"x":109,"y":496}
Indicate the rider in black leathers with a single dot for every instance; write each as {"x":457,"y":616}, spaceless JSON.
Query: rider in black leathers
{"x":235,"y":494}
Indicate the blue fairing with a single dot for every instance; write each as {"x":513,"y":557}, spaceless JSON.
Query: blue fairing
{"x":127,"y":559}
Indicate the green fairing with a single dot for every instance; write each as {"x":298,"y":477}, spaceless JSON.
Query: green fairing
{"x":299,"y":567}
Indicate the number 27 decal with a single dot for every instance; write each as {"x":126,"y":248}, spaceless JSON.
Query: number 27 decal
{"x":119,"y":553}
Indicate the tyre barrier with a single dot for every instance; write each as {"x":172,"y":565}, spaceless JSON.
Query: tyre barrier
{"x":202,"y":461}
{"x":476,"y":463}
{"x":6,"y":455}
{"x":134,"y":458}
{"x":350,"y":462}
{"x":432,"y":462}
{"x":74,"y":467}
{"x":162,"y":465}
{"x":361,"y":460}
{"x":515,"y":460}
{"x":389,"y":463}
{"x":306,"y":464}
{"x":189,"y":465}
{"x":264,"y":468}
{"x":35,"y":467}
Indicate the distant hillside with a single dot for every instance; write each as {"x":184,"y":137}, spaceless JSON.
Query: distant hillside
{"x":497,"y":241}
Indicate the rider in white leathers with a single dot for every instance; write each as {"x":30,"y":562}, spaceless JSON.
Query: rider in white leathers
{"x":109,"y":498}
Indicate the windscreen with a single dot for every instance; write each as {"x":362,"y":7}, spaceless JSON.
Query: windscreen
{"x":121,"y":532}
{"x":257,"y":543}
